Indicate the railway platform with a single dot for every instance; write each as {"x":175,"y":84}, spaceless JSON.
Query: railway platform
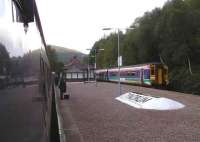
{"x":92,"y":114}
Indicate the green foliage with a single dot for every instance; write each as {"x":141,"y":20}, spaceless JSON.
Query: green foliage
{"x":170,"y":35}
{"x":85,"y":60}
{"x":64,"y":55}
{"x":56,"y":66}
{"x":107,"y":57}
{"x":4,"y":60}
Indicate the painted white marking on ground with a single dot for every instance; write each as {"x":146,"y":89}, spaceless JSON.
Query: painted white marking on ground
{"x":148,"y":102}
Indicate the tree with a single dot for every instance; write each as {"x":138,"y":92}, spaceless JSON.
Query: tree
{"x":4,"y":60}
{"x":170,"y":35}
{"x":56,"y":66}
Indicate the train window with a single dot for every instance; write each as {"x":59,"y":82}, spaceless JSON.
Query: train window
{"x":137,"y":73}
{"x":132,"y":73}
{"x":146,"y":74}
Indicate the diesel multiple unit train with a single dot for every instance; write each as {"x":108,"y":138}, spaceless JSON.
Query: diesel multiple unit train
{"x":144,"y":74}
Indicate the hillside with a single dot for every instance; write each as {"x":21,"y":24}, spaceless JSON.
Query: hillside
{"x":65,"y":54}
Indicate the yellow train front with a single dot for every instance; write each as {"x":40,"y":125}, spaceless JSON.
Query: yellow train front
{"x":159,"y":74}
{"x":149,"y":74}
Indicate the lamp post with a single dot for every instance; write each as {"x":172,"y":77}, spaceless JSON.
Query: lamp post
{"x":95,"y":58}
{"x":119,"y":58}
{"x":88,"y":75}
{"x":88,"y":68}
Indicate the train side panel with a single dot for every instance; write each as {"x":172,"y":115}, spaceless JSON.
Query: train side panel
{"x":147,"y":74}
{"x":24,"y":73}
{"x":134,"y":75}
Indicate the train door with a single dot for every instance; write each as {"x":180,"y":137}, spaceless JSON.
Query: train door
{"x":142,"y":76}
{"x":160,"y":76}
{"x":107,"y":73}
{"x":165,"y":76}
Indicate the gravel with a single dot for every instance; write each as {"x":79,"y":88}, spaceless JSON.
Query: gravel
{"x":92,"y":114}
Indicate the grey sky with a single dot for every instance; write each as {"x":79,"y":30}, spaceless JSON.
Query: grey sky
{"x":2,"y":8}
{"x":77,"y":24}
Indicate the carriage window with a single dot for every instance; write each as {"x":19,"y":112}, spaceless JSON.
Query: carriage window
{"x":146,"y":74}
{"x":132,"y":74}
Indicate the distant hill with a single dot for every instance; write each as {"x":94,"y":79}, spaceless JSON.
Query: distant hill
{"x":65,"y":54}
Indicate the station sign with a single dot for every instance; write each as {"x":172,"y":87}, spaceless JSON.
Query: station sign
{"x":120,"y":61}
{"x":141,"y":101}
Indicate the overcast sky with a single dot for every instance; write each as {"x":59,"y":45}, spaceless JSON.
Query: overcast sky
{"x":77,"y":24}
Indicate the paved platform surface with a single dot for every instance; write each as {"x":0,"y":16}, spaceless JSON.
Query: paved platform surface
{"x":93,"y":115}
{"x":20,"y":115}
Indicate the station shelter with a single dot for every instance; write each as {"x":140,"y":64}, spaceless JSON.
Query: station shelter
{"x":77,"y":71}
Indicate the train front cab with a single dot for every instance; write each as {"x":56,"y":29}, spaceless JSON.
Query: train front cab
{"x":159,"y":74}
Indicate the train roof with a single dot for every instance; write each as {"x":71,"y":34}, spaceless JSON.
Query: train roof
{"x":137,"y":65}
{"x":155,"y":63}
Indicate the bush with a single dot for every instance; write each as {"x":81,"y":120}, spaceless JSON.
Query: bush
{"x":181,"y":80}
